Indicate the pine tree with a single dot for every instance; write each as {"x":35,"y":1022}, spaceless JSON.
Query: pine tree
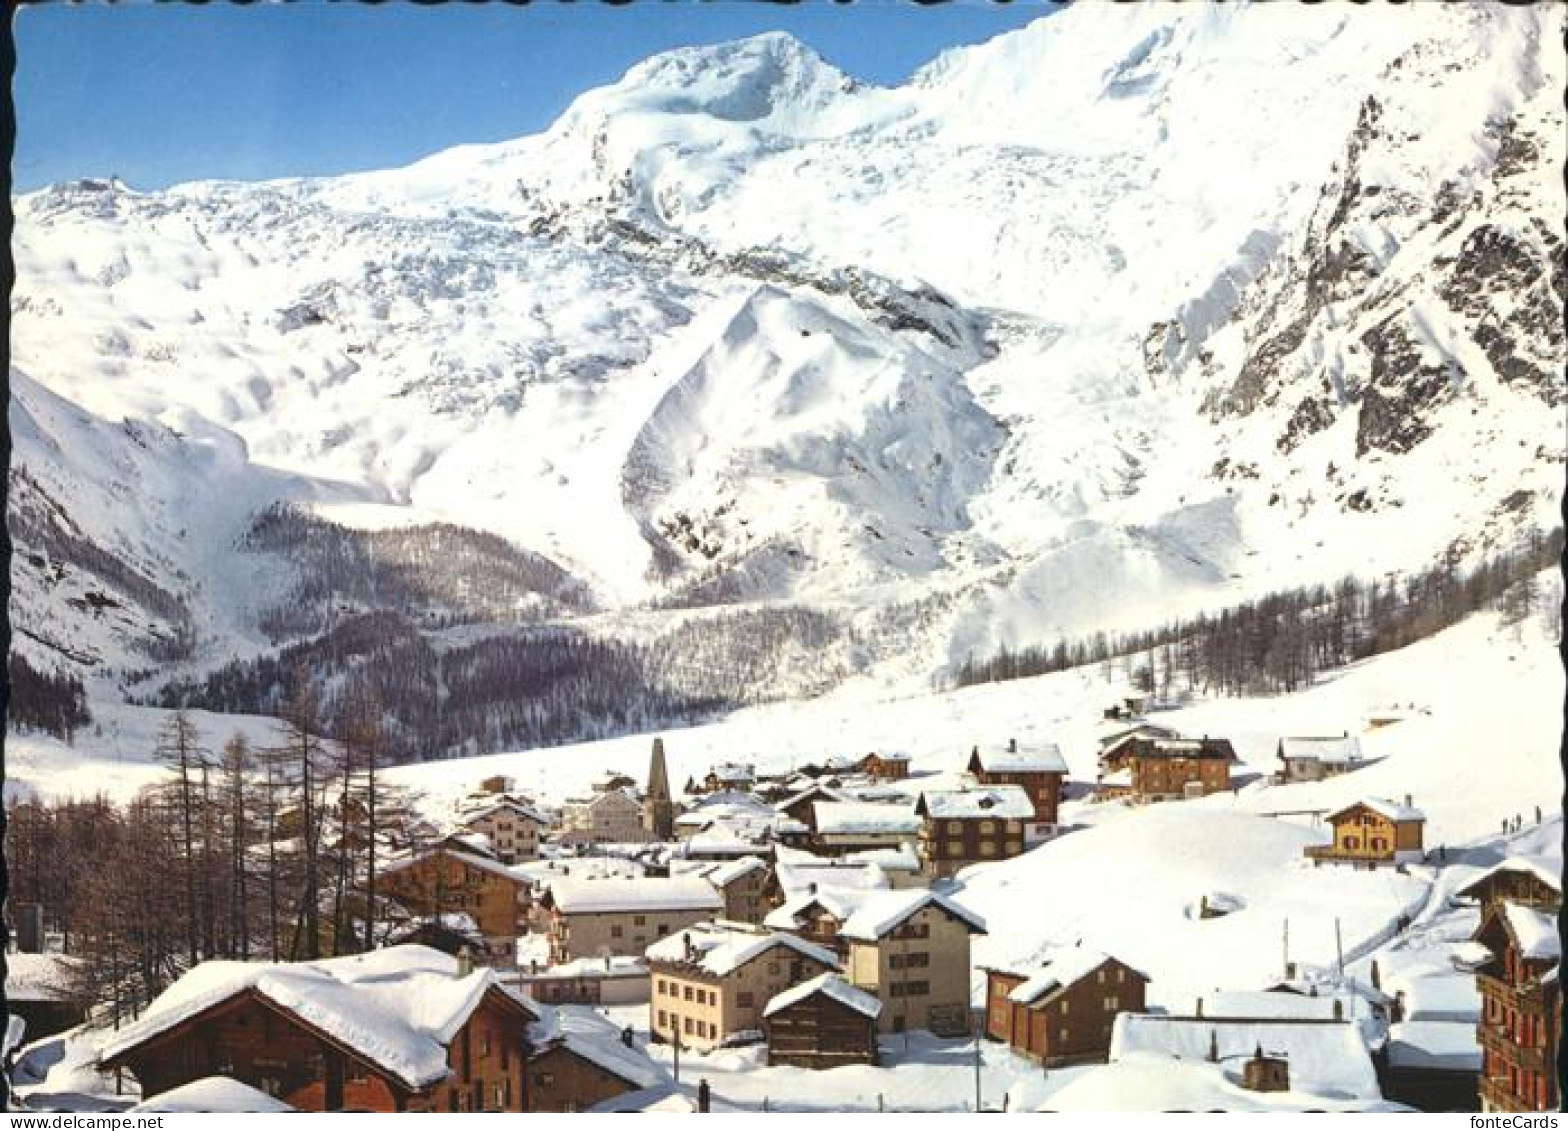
{"x":179,"y":748}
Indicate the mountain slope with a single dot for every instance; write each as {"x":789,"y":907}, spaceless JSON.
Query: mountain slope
{"x":1135,"y":311}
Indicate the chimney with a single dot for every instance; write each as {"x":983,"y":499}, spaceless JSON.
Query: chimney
{"x":1407,"y":802}
{"x":1214,"y":1045}
{"x":1339,"y":1010}
{"x":1198,"y":1009}
{"x":465,"y":962}
{"x":627,"y":1037}
{"x":1012,"y":746}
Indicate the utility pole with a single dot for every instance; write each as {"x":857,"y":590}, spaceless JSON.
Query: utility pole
{"x":974,"y":1024}
{"x":677,"y":1027}
{"x":1339,"y":950}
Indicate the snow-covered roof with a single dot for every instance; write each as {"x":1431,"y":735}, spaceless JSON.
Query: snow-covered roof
{"x":1151,"y":1082}
{"x":1271,"y":1005}
{"x":721,"y":840}
{"x":815,"y":790}
{"x":609,"y":966}
{"x":882,"y":911}
{"x":1008,"y":802}
{"x":503,"y":804}
{"x":1022,"y":758}
{"x":837,"y":902}
{"x":1446,"y":1045}
{"x":1060,"y":968}
{"x":725,"y":874}
{"x":834,"y":987}
{"x":472,"y":860}
{"x":592,"y":895}
{"x":1326,"y":1059}
{"x":1333,"y":751}
{"x":397,"y":1008}
{"x":597,"y":1039}
{"x":722,"y":950}
{"x":1534,"y":930}
{"x":889,"y":756}
{"x":1393,"y":810}
{"x":40,"y":977}
{"x":849,"y":818}
{"x":796,"y":879}
{"x":212,"y":1094}
{"x":1534,"y":866}
{"x":734,"y":772}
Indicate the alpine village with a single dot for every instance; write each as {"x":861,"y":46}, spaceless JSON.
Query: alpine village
{"x":785,"y":557}
{"x":607,"y":952}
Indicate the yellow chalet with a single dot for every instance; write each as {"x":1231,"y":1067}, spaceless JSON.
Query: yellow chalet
{"x":1373,"y":831}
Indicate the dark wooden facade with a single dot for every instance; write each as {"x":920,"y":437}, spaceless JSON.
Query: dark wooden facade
{"x":1161,"y":769}
{"x":885,"y":767}
{"x":820,"y":1031}
{"x":1521,"y":1021}
{"x":1067,"y":1026}
{"x":1044,"y":789}
{"x":446,"y":881}
{"x":253,"y":1040}
{"x":949,"y":844}
{"x":1519,"y":885}
{"x":560,"y":1079}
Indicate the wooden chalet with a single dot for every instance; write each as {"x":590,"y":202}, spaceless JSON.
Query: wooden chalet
{"x":856,"y":826}
{"x":885,"y":766}
{"x":1145,"y":768}
{"x":457,"y":879}
{"x":823,"y":1023}
{"x":1371,"y":832}
{"x":1314,"y":759}
{"x":801,"y":806}
{"x":582,"y":1061}
{"x":1062,"y":1012}
{"x":959,"y":827}
{"x":1521,"y":1011}
{"x":401,"y":1029}
{"x":1038,"y":769}
{"x":1520,"y":880}
{"x":744,"y":886}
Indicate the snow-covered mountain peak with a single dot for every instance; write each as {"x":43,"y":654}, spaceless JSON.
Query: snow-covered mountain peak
{"x":1136,"y":310}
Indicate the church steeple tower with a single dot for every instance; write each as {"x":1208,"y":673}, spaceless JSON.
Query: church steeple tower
{"x":658,"y":808}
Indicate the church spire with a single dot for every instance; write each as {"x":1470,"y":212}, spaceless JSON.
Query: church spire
{"x":658,"y":808}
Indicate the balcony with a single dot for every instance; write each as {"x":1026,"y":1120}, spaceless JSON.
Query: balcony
{"x":1337,"y":855}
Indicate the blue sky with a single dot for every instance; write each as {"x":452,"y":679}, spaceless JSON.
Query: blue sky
{"x":158,"y":95}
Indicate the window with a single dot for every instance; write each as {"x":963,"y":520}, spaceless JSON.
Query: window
{"x":987,"y":848}
{"x":955,"y":848}
{"x":1121,"y":976}
{"x":988,"y":826}
{"x":744,"y":999}
{"x":663,"y":929}
{"x":639,"y":920}
{"x":664,"y":1019}
{"x":686,"y":1025}
{"x":1062,"y":1007}
{"x":1112,"y":1003}
{"x":1061,"y":1035}
{"x":484,"y":1043}
{"x":686,"y":992}
{"x":917,"y":989}
{"x":1100,"y":977}
{"x":955,"y":828}
{"x":615,"y":931}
